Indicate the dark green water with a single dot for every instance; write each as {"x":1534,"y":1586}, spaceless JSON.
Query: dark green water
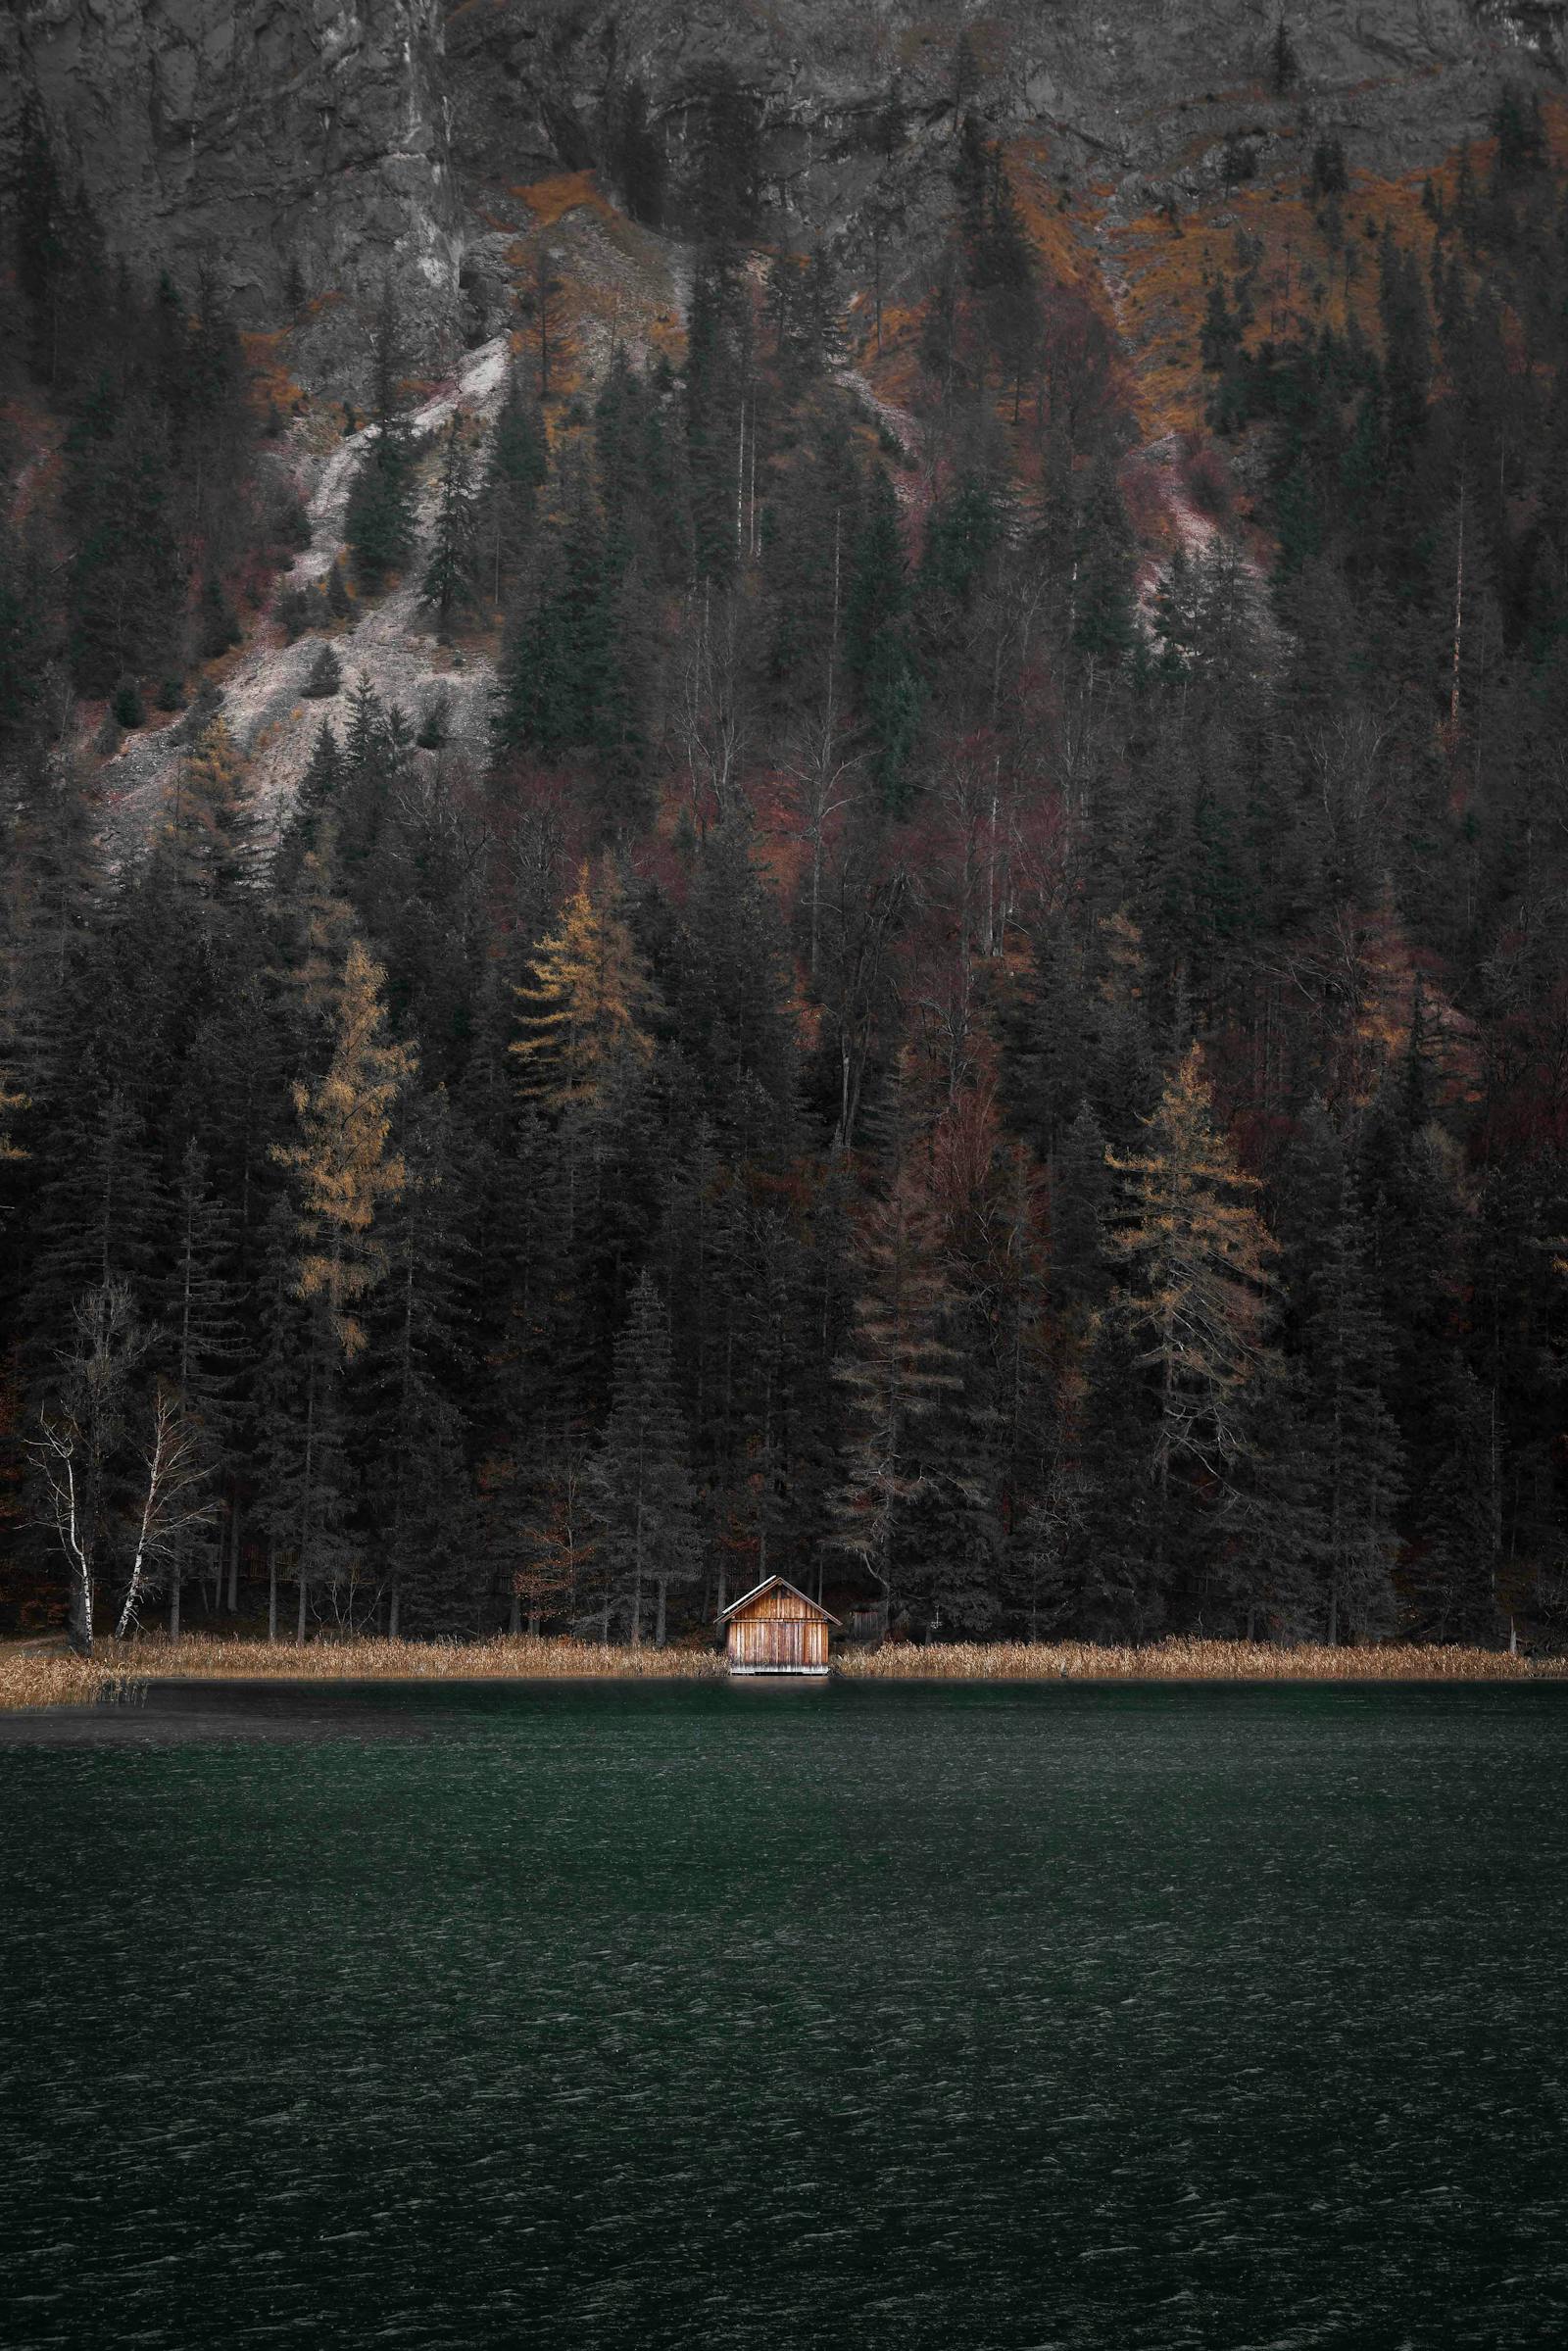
{"x":651,"y":2019}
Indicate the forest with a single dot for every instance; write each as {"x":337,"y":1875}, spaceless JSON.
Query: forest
{"x":1012,"y":1074}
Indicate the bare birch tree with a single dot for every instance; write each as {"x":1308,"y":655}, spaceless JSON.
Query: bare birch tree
{"x":172,"y":1499}
{"x":78,"y":1435}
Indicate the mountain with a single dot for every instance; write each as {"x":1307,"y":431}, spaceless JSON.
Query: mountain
{"x":343,"y":142}
{"x":783,"y":790}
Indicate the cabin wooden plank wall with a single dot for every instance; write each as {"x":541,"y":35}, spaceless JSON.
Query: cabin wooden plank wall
{"x":782,"y":1644}
{"x":777,"y":1629}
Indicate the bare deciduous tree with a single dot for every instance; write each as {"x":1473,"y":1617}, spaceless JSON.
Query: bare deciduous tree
{"x":78,"y":1434}
{"x":171,"y":1499}
{"x":80,"y":1453}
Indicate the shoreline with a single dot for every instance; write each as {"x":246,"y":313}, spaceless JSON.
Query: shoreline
{"x":34,"y":1679}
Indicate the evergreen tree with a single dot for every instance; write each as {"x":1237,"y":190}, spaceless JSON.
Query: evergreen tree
{"x":203,"y":1346}
{"x":451,"y":580}
{"x":516,"y":468}
{"x":324,"y":677}
{"x":1104,"y":620}
{"x":300,"y":1439}
{"x":127,"y":580}
{"x":97,"y":1202}
{"x":1458,"y":1525}
{"x":1346,"y":1437}
{"x":1080,"y":1207}
{"x":422,"y":1501}
{"x":896,"y":1369}
{"x":878,"y":644}
{"x":1285,"y":70}
{"x":720,"y":407}
{"x":378,"y":521}
{"x":643,"y":1498}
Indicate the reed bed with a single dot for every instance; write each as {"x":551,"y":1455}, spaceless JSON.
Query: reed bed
{"x":37,"y":1677}
{"x":1190,"y":1660}
{"x":32,"y":1674}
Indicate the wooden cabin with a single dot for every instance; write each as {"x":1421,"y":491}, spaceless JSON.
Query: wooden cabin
{"x":776,"y":1630}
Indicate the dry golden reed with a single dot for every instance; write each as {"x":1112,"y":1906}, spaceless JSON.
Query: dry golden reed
{"x":1190,"y":1660}
{"x":33,"y":1676}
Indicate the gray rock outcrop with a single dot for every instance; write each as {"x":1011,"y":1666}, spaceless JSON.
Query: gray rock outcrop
{"x":279,"y":143}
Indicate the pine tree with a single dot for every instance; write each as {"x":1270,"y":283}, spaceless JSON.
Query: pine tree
{"x":299,"y":1439}
{"x":126,"y":580}
{"x":1103,"y":626}
{"x":961,"y":533}
{"x":324,"y":680}
{"x":1458,"y":1524}
{"x":339,"y":603}
{"x":721,"y":407}
{"x":378,"y":521}
{"x":877,"y":643}
{"x":96,"y":1207}
{"x":451,"y":580}
{"x":517,"y":468}
{"x":421,"y":1497}
{"x":1352,"y":1441}
{"x":1080,"y":1208}
{"x":201,"y":1346}
{"x":896,"y":1369}
{"x":643,"y":1498}
{"x":217,"y":622}
{"x":1285,"y":68}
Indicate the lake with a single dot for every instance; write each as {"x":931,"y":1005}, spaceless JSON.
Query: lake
{"x":674,"y":2017}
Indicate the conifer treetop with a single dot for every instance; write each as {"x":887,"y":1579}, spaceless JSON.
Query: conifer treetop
{"x":587,"y":1004}
{"x":1199,"y":1256}
{"x":341,"y":1165}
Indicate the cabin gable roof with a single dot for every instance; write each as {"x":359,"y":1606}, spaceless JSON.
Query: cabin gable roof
{"x":810,"y":1607}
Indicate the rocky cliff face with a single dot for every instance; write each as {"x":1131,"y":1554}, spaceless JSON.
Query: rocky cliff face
{"x":264,"y":142}
{"x":303,"y":140}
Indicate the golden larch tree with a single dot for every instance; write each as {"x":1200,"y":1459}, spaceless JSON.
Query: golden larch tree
{"x":205,"y":837}
{"x":1199,"y":1255}
{"x":587,"y":1002}
{"x":341,"y":1165}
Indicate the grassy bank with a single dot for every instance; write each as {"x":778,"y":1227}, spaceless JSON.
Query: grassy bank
{"x":34,"y":1675}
